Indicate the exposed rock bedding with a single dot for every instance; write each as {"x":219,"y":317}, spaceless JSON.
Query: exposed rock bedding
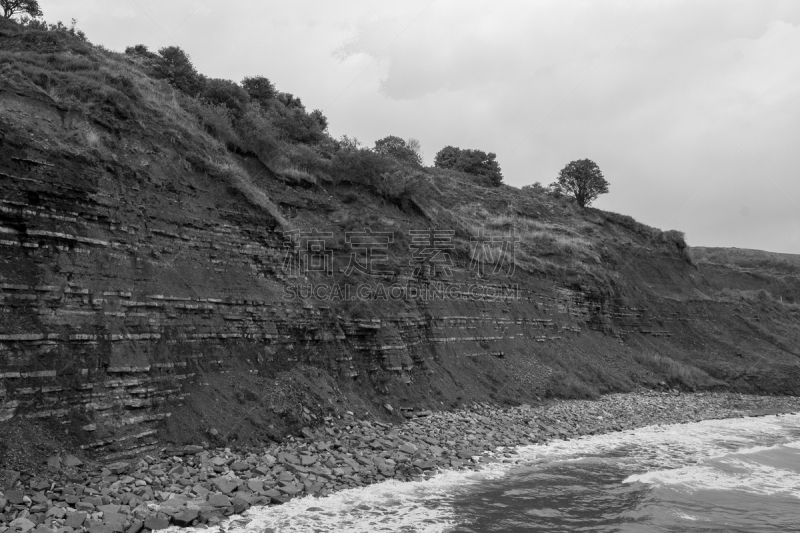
{"x":192,"y":485}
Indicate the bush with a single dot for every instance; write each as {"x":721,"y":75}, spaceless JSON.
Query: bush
{"x":534,"y":188}
{"x":295,"y":125}
{"x":175,"y":66}
{"x":260,"y":89}
{"x":399,"y":184}
{"x":397,"y":148}
{"x":676,"y":238}
{"x":217,"y":121}
{"x":226,"y":93}
{"x":141,"y":51}
{"x":474,"y":162}
{"x":321,"y":119}
{"x":258,"y":134}
{"x":361,"y":167}
{"x":308,"y":159}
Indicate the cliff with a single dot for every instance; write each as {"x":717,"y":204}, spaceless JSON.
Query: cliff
{"x":154,"y":280}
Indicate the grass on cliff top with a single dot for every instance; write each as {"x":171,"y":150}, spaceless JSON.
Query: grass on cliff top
{"x":116,"y":90}
{"x":748,"y":259}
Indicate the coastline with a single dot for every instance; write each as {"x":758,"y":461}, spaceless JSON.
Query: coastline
{"x":193,"y":486}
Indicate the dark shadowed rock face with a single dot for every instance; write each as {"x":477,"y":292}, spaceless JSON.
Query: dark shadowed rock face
{"x":143,"y":296}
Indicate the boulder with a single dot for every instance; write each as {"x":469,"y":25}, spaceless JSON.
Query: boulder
{"x":21,"y":525}
{"x":154,"y":523}
{"x":240,"y":505}
{"x":135,"y":527}
{"x":14,"y":497}
{"x":240,"y":466}
{"x":408,"y":448}
{"x":75,"y":520}
{"x":7,"y":479}
{"x":219,"y":500}
{"x":71,"y":461}
{"x":186,"y":517}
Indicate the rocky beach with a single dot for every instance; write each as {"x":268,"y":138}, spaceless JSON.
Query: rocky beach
{"x":198,"y":486}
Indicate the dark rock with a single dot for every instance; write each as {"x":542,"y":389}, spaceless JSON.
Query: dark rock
{"x":219,"y":500}
{"x":186,"y":517}
{"x":240,"y":466}
{"x":14,"y":496}
{"x":154,"y":522}
{"x":135,"y":527}
{"x":239,"y":505}
{"x":8,"y":479}
{"x":71,"y":461}
{"x":75,"y":520}
{"x":21,"y":525}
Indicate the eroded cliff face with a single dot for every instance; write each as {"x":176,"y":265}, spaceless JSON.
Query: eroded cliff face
{"x":143,"y":297}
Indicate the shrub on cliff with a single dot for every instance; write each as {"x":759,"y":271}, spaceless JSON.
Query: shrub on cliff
{"x":476,"y":162}
{"x":141,"y":51}
{"x":258,"y":133}
{"x":176,"y":67}
{"x":400,"y":184}
{"x":260,"y":89}
{"x":397,"y":148}
{"x":226,"y":93}
{"x":361,"y":166}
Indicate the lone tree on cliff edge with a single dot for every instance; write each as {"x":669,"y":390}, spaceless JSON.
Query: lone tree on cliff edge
{"x":26,"y":7}
{"x":582,"y":180}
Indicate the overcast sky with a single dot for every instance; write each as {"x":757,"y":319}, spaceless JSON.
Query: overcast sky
{"x":690,"y":108}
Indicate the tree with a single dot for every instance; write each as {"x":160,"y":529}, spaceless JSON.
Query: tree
{"x":582,"y":180}
{"x":476,"y":162}
{"x":26,"y":7}
{"x":321,"y":119}
{"x":535,"y":187}
{"x":348,"y":144}
{"x":225,"y":92}
{"x":259,"y":88}
{"x":140,"y":50}
{"x":177,"y":68}
{"x":396,"y":147}
{"x":415,"y":146}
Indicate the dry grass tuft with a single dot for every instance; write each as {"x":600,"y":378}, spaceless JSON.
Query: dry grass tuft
{"x":676,"y":373}
{"x":240,"y":180}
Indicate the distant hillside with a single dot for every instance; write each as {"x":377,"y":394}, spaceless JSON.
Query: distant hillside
{"x":741,"y":273}
{"x":747,"y":259}
{"x":179,"y":253}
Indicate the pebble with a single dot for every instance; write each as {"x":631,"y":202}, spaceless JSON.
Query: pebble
{"x":194,"y":486}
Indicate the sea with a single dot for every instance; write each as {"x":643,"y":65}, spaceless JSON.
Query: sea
{"x":740,"y":474}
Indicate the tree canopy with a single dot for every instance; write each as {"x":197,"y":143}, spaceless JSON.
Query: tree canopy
{"x":259,"y":88}
{"x":475,"y":162}
{"x":583,"y":180}
{"x":176,"y":67}
{"x":20,"y":7}
{"x":398,"y":148}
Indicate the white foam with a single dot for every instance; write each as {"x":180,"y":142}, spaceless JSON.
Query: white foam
{"x":742,"y":471}
{"x":387,"y":506}
{"x":676,"y":454}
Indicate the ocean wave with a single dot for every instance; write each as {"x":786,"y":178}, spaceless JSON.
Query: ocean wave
{"x":765,"y":470}
{"x":732,"y":454}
